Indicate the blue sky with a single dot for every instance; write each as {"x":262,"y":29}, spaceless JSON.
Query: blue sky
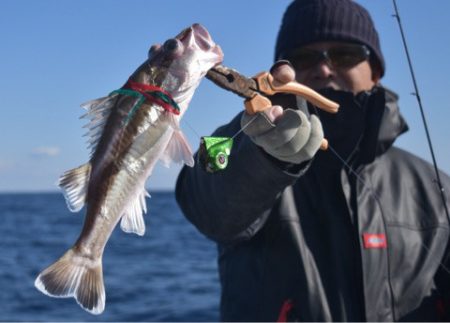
{"x":57,"y":54}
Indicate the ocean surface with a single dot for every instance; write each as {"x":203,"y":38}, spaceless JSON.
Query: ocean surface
{"x":169,"y":274}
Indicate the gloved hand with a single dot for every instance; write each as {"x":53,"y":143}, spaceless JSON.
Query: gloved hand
{"x":287,"y":135}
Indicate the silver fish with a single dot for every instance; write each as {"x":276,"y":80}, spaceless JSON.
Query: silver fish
{"x":129,"y":132}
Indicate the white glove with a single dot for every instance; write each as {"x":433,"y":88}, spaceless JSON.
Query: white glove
{"x":287,"y":135}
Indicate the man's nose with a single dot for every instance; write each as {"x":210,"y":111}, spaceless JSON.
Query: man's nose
{"x":324,"y":70}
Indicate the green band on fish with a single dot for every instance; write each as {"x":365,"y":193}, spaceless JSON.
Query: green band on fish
{"x":155,"y":94}
{"x":136,"y":106}
{"x":149,"y":93}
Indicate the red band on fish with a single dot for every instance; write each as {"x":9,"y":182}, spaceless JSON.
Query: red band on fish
{"x":154,"y":94}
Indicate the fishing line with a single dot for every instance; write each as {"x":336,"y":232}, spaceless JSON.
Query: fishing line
{"x":343,"y":161}
{"x":190,"y":127}
{"x":234,"y":136}
{"x":246,"y":125}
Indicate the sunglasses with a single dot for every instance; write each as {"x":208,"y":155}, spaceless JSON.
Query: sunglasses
{"x":344,"y":56}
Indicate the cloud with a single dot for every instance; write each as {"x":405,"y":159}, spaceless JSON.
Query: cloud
{"x":46,"y":151}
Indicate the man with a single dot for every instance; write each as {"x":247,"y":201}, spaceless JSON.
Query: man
{"x":357,"y":232}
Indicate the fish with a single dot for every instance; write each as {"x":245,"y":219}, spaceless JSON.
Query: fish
{"x":129,"y":131}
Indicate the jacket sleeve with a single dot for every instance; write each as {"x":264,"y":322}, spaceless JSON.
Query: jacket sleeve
{"x":233,"y":204}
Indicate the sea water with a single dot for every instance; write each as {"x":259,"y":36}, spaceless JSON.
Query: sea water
{"x":169,"y":274}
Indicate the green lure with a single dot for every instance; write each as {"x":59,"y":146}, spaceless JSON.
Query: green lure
{"x":214,"y":153}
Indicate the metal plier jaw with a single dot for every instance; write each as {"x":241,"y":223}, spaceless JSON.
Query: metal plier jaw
{"x":257,"y":89}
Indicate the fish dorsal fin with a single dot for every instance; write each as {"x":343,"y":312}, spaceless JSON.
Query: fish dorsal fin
{"x":178,"y":149}
{"x":98,"y":111}
{"x":133,"y":217}
{"x":74,"y":184}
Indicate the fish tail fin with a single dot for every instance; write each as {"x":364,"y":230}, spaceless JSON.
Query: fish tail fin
{"x":75,"y":275}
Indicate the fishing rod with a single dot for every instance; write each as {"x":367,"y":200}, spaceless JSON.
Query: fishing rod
{"x":417,"y":95}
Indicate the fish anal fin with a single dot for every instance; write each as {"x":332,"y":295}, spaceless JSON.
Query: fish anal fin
{"x":74,"y":184}
{"x":133,"y":218}
{"x":75,"y":276}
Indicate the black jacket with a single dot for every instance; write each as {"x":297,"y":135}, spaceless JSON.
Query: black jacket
{"x":326,"y":242}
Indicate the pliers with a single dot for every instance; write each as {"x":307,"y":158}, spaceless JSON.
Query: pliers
{"x":256,"y":90}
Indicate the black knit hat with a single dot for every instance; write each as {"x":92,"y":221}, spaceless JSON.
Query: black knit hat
{"x":309,"y":21}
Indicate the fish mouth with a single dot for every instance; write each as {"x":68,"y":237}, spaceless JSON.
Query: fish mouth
{"x":202,"y":37}
{"x":197,"y":35}
{"x":180,"y":62}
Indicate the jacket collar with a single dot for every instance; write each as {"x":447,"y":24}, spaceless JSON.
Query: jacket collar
{"x":384,"y":124}
{"x":392,"y":123}
{"x":368,"y":124}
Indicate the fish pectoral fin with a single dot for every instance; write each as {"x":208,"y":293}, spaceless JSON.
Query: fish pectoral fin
{"x":133,"y":217}
{"x":74,"y":184}
{"x":75,"y":276}
{"x":178,"y":150}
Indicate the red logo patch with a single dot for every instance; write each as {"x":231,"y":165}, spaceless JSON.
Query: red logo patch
{"x":374,"y":241}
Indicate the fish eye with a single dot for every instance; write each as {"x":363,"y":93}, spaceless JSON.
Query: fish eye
{"x":171,"y":45}
{"x":153,"y":49}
